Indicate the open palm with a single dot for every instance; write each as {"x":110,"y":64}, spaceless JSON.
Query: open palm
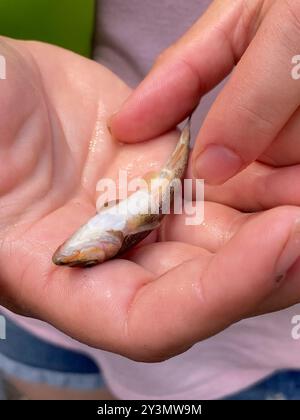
{"x":167,"y":295}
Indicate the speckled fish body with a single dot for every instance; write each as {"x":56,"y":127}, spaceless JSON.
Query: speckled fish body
{"x":118,"y":227}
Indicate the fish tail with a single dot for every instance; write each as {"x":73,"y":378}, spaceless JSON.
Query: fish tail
{"x":178,"y":160}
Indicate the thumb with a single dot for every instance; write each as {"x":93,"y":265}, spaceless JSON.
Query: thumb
{"x":180,"y":77}
{"x":203,"y":295}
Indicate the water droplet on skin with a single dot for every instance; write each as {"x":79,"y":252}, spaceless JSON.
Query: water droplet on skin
{"x":97,"y":140}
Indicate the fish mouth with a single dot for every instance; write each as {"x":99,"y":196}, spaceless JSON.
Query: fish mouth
{"x":66,"y":262}
{"x":84,"y":258}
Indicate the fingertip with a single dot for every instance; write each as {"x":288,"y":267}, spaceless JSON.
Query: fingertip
{"x":109,"y":124}
{"x":216,"y":164}
{"x":114,"y":125}
{"x":125,"y":125}
{"x":164,"y":98}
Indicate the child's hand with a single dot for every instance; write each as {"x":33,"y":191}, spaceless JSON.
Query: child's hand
{"x":54,"y":146}
{"x":259,"y":107}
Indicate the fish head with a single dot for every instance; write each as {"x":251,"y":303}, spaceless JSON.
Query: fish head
{"x":83,"y":251}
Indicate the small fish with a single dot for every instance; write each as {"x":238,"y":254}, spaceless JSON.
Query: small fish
{"x":119,"y":226}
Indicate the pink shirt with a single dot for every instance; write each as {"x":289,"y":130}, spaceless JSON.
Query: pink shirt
{"x":130,"y":34}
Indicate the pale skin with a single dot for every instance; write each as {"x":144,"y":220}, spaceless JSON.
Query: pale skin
{"x":187,"y":283}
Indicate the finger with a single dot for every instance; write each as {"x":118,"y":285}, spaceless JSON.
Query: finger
{"x":187,"y":70}
{"x":285,"y":149}
{"x":200,"y":298}
{"x":166,"y":255}
{"x":286,"y":296}
{"x":219,"y":225}
{"x":258,"y":187}
{"x":256,"y":103}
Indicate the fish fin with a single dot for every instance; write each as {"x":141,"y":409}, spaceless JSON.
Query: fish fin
{"x":143,"y":222}
{"x":117,"y":234}
{"x":178,"y":159}
{"x":138,"y":235}
{"x":132,"y":240}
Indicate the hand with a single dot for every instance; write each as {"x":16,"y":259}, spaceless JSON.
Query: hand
{"x":258,"y":109}
{"x":54,"y":147}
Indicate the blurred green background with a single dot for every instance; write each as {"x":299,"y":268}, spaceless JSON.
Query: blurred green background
{"x":67,"y":23}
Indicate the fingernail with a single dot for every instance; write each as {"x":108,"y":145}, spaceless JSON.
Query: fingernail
{"x":108,"y":125}
{"x":216,"y":164}
{"x":291,"y":251}
{"x":109,"y":121}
